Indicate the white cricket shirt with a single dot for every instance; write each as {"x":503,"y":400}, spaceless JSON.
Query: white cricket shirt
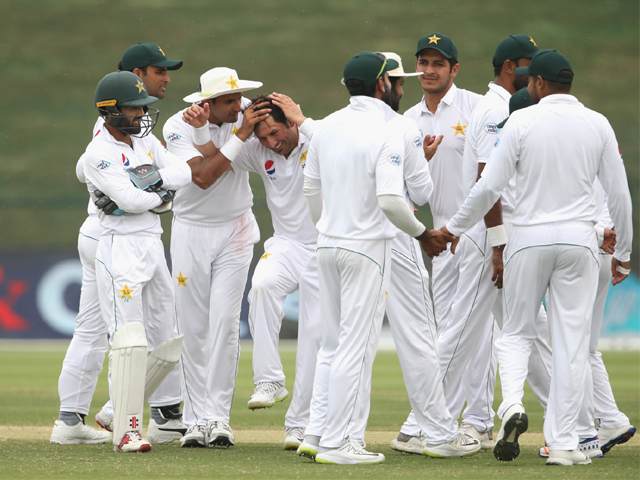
{"x":229,"y":197}
{"x":556,"y":149}
{"x":283,"y":180}
{"x":356,"y":158}
{"x":451,"y":120}
{"x":106,"y":162}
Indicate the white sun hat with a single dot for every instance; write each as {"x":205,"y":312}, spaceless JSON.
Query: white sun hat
{"x":220,"y":81}
{"x":398,"y":72}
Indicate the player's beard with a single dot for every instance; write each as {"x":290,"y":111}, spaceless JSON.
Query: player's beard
{"x":387,"y":98}
{"x":520,"y":82}
{"x":127,"y":125}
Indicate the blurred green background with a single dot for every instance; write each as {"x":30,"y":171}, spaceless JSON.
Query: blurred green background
{"x":53,"y":53}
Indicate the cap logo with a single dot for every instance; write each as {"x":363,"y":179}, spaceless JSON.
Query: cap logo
{"x":106,"y":103}
{"x":434,"y":39}
{"x":140,"y":86}
{"x":534,"y":43}
{"x":162,"y":51}
{"x":233,"y":82}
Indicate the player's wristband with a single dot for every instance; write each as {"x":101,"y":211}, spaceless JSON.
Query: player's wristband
{"x":232,"y":148}
{"x":201,"y":135}
{"x":622,"y":270}
{"x":497,"y":235}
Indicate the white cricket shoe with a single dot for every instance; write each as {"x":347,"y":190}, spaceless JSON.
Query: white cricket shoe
{"x":408,"y":443}
{"x":219,"y":433}
{"x":167,"y":432}
{"x":195,"y":437}
{"x":460,"y":446}
{"x":567,"y":457}
{"x":349,"y":454}
{"x":133,"y":442}
{"x":514,"y":423}
{"x":79,"y":433}
{"x":293,"y":438}
{"x":104,"y":421}
{"x":485,"y":438}
{"x":310,"y":447}
{"x":267,"y":394}
{"x":609,"y":438}
{"x":589,"y":446}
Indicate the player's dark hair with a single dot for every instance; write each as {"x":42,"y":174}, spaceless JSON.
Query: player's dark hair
{"x":276,"y":112}
{"x":144,"y":69}
{"x":497,"y":70}
{"x":393,"y":81}
{"x":369,"y":91}
{"x":558,"y":87}
{"x":452,"y":63}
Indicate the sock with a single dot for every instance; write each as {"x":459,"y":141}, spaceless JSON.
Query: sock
{"x":162,"y":415}
{"x":71,"y":418}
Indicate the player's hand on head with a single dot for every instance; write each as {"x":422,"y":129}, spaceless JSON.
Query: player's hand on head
{"x":430,"y":145}
{"x":252,"y":115}
{"x":619,"y":271}
{"x":197,"y":116}
{"x":291,"y":109}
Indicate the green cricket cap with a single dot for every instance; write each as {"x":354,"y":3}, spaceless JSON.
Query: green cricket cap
{"x":547,"y":64}
{"x":367,"y":67}
{"x":439,"y":42}
{"x":514,"y":47}
{"x":144,"y":54}
{"x":518,"y":100}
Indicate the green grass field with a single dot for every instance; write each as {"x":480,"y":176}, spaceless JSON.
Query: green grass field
{"x":29,"y":405}
{"x":55,"y":52}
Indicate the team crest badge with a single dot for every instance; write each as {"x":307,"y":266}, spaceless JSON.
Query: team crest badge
{"x":395,"y":159}
{"x":174,"y":137}
{"x":103,"y":165}
{"x":417,"y":142}
{"x":491,"y":128}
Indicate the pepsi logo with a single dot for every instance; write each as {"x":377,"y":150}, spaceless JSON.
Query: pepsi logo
{"x":270,"y":167}
{"x":125,"y":160}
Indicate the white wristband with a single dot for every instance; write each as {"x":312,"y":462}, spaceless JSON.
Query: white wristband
{"x":232,"y":148}
{"x":622,"y":270}
{"x":497,"y":235}
{"x":201,"y":135}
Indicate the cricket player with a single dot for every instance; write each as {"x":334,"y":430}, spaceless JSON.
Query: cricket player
{"x":556,"y":148}
{"x":353,"y":183}
{"x":134,"y":286}
{"x":212,"y":240}
{"x":444,"y":110}
{"x":85,"y":356}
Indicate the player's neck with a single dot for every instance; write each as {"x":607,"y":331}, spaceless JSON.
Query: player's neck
{"x":119,"y":135}
{"x":505,"y":83}
{"x":432,"y":100}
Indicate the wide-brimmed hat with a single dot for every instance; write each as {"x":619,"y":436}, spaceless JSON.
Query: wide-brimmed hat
{"x":398,"y":72}
{"x":220,"y":81}
{"x":366,"y":67}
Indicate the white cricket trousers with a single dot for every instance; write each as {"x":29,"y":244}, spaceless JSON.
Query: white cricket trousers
{"x":599,"y":400}
{"x":412,"y":322}
{"x":85,"y":356}
{"x":466,"y":347}
{"x":213,"y":262}
{"x":445,"y":273}
{"x":285,"y":267}
{"x":134,"y":285}
{"x":569,"y":272}
{"x":354,"y":280}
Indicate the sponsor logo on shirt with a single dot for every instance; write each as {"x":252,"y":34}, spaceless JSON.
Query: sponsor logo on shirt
{"x":103,"y":165}
{"x":497,"y":142}
{"x":417,"y":142}
{"x":174,"y":137}
{"x":491,"y":128}
{"x":270,"y":167}
{"x":125,"y":160}
{"x":395,"y":159}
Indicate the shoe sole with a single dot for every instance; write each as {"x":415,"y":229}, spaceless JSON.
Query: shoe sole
{"x":291,"y":445}
{"x":256,"y":406}
{"x":453,"y":455}
{"x":395,"y":445}
{"x":307,"y":452}
{"x":505,"y":450}
{"x":221,"y":441}
{"x":192,"y":444}
{"x":565,"y":463}
{"x":624,"y":438}
{"x":66,"y":441}
{"x":142,"y":449}
{"x":329,"y":462}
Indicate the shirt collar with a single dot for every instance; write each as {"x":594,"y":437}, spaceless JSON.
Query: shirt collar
{"x":501,"y":91}
{"x":370,"y":104}
{"x":560,"y":98}
{"x":447,"y":99}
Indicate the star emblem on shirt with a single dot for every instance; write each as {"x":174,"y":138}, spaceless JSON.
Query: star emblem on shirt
{"x":459,"y":129}
{"x":235,"y":130}
{"x":434,"y":39}
{"x":534,"y":43}
{"x":150,"y":155}
{"x":233,"y":82}
{"x":303,"y":157}
{"x":182,"y":280}
{"x":126,"y":293}
{"x":265,"y":256}
{"x":140,"y":86}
